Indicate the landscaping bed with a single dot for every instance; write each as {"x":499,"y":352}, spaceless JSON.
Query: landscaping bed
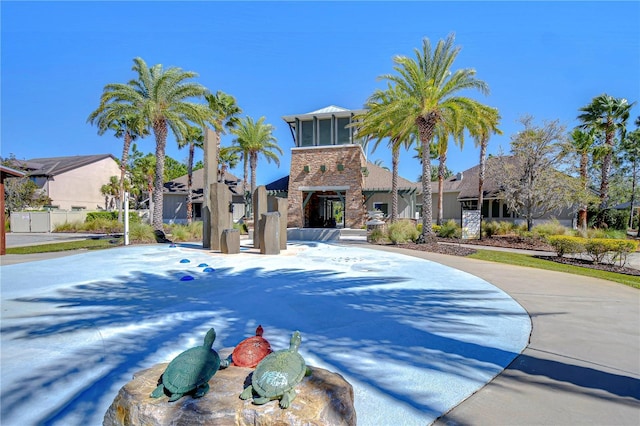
{"x":514,"y":242}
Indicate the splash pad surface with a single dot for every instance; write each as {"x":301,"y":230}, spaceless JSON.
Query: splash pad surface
{"x":413,"y":337}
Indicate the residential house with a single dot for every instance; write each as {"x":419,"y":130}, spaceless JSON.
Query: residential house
{"x":174,"y":206}
{"x":74,"y":182}
{"x":461,"y":193}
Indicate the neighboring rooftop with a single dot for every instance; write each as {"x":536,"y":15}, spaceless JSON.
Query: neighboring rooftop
{"x":56,"y":165}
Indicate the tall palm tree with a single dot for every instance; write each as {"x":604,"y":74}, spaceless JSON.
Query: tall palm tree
{"x":225,"y":115}
{"x":377,"y":124}
{"x":255,"y":138}
{"x":161,"y":97}
{"x":124,"y":121}
{"x":582,"y":143}
{"x":485,"y":126}
{"x":428,"y":100}
{"x":194,"y":138}
{"x":609,"y":115}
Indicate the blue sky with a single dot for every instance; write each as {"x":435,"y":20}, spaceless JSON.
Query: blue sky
{"x":545,"y":59}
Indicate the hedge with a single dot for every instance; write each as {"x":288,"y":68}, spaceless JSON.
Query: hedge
{"x":565,"y":244}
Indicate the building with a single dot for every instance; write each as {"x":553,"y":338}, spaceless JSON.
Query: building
{"x":72,"y":183}
{"x":460,"y":192}
{"x":174,"y":208}
{"x":331,"y":183}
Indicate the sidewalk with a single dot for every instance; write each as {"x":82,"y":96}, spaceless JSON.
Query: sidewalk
{"x":581,"y":366}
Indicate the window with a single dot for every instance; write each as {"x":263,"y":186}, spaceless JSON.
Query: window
{"x":505,"y":210}
{"x":495,"y":208}
{"x":383,"y":207}
{"x":306,"y":133}
{"x":324,"y":130}
{"x":485,"y":208}
{"x":344,"y":133}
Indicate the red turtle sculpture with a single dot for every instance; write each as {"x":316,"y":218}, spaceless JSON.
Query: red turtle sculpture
{"x":251,"y":350}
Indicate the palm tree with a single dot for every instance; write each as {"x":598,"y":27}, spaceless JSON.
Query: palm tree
{"x":427,"y":99}
{"x":376,"y":124}
{"x":126,"y":123}
{"x":487,"y":124}
{"x":228,"y":159}
{"x":194,"y":139}
{"x":225,"y":113}
{"x":582,"y":143}
{"x":111,"y":192}
{"x":160,"y":97}
{"x":254,"y":138}
{"x":609,"y":115}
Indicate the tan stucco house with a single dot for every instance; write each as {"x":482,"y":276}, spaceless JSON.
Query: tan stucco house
{"x":74,"y":182}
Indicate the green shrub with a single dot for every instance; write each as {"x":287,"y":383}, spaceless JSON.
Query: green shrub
{"x":598,"y":248}
{"x":489,"y":229}
{"x":91,"y":216}
{"x":69,"y":227}
{"x":566,"y":244}
{"x":141,"y":233}
{"x":242,"y":227}
{"x":621,"y":250}
{"x":552,"y":227}
{"x":450,"y":229}
{"x":376,"y":236}
{"x":402,"y":231}
{"x":435,"y":228}
{"x":104,"y":226}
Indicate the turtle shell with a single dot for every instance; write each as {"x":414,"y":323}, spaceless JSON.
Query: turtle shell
{"x":277,"y":373}
{"x":251,"y":351}
{"x":190,"y":369}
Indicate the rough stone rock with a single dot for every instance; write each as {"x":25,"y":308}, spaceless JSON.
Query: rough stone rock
{"x":324,"y":398}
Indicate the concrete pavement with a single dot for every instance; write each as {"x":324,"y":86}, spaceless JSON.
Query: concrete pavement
{"x":582,"y":365}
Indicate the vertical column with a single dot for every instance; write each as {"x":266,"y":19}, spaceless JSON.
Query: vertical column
{"x":259,"y":208}
{"x":220,"y":215}
{"x":211,"y":140}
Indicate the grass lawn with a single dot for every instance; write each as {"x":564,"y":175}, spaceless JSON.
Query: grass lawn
{"x":532,"y":262}
{"x":89,"y":244}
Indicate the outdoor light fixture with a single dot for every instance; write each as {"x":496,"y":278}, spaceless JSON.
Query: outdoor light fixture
{"x":340,"y":167}
{"x":306,"y":169}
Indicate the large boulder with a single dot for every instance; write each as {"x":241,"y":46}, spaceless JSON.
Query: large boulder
{"x":324,"y":398}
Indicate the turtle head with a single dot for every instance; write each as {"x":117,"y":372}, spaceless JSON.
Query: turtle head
{"x":296,"y":339}
{"x":259,"y":331}
{"x":210,"y":338}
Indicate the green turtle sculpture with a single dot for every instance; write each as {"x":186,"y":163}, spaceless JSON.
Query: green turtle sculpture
{"x":189,"y":372}
{"x":277,"y":375}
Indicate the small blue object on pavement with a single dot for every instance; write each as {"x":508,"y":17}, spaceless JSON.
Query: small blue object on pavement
{"x":208,"y":270}
{"x":186,"y":278}
{"x":185,"y":261}
{"x":202,"y":265}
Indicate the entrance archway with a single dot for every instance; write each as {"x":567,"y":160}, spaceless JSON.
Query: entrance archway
{"x":324,"y":209}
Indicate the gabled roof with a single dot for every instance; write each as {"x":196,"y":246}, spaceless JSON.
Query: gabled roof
{"x":57,"y":165}
{"x":280,"y":185}
{"x":328,"y":110}
{"x":179,"y":185}
{"x":379,"y":179}
{"x":467,"y":181}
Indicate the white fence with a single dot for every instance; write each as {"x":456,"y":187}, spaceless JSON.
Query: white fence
{"x":44,"y":221}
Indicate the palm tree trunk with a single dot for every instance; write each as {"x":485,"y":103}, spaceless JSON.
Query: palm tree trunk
{"x":160,"y":130}
{"x":441,"y":170}
{"x":123,"y":169}
{"x":483,"y":165}
{"x":395,"y":159}
{"x":606,"y":170}
{"x":192,"y":148}
{"x":254,"y":165}
{"x":582,"y":213}
{"x":425,"y":130}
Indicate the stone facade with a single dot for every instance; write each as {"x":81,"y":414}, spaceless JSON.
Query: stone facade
{"x":327,"y":168}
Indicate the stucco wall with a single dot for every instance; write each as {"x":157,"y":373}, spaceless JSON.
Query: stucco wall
{"x":81,"y":187}
{"x":351,"y":178}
